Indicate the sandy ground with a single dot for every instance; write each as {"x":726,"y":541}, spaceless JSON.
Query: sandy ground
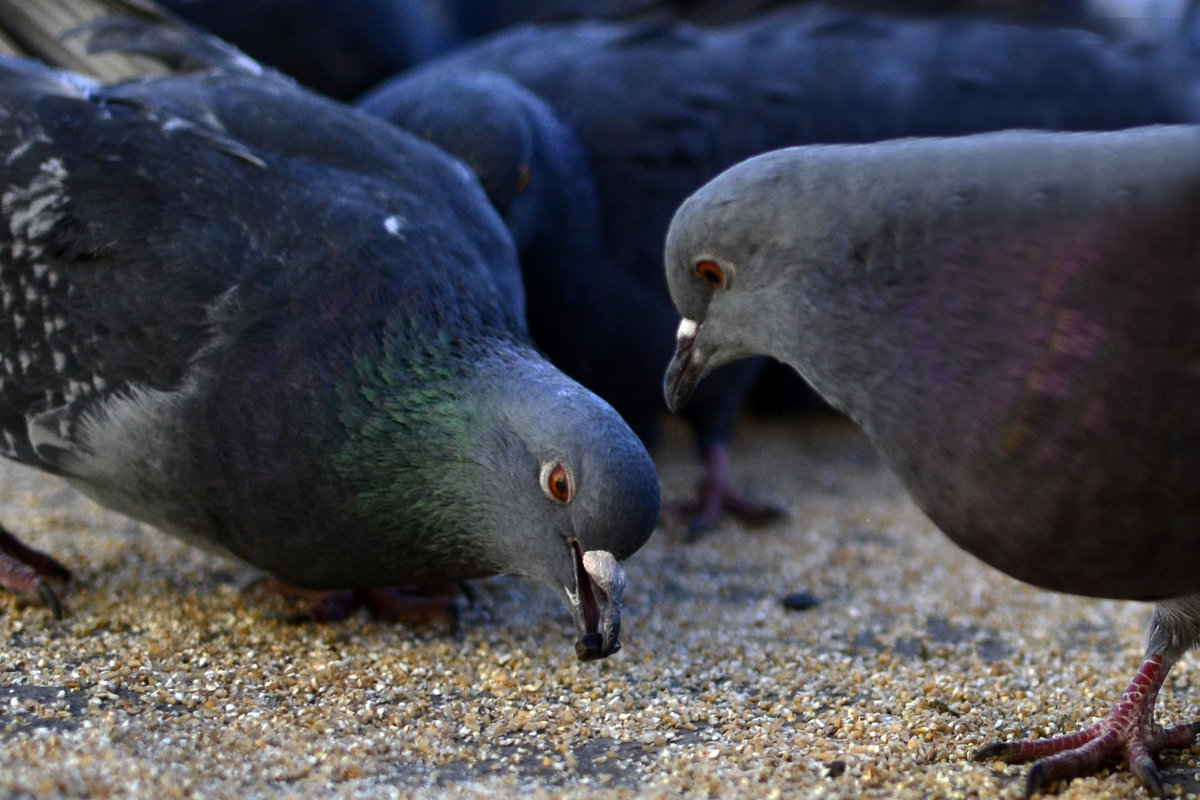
{"x":170,"y":678}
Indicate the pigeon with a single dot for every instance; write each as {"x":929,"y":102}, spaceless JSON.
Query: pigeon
{"x":340,"y":48}
{"x":298,"y":341}
{"x":479,"y":17}
{"x":662,"y":107}
{"x":1010,"y":318}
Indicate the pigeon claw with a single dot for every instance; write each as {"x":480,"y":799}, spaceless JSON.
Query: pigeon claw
{"x":24,"y":572}
{"x":49,"y":599}
{"x":596,"y":602}
{"x":687,"y":366}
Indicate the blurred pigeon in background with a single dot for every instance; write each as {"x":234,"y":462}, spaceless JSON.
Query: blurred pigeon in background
{"x":340,"y":48}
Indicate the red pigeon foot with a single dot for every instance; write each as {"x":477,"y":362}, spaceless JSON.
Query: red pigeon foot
{"x":414,"y":605}
{"x":23,"y":571}
{"x":1127,"y":731}
{"x":717,"y":494}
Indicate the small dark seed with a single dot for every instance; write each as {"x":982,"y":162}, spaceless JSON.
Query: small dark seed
{"x":800,"y":601}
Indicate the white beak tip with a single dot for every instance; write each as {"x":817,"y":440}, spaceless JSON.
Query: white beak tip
{"x":687,"y":329}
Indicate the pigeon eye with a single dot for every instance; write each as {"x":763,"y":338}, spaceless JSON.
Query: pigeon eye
{"x":711,"y":273}
{"x":557,"y":483}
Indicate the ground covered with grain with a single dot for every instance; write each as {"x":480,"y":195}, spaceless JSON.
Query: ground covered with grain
{"x":173,"y":675}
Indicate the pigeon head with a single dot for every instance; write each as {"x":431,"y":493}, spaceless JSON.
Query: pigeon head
{"x":528,"y":474}
{"x":576,"y":493}
{"x":733,"y":307}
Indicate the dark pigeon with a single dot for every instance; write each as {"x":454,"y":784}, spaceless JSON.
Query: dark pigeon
{"x":1011,"y":319}
{"x":340,"y":48}
{"x":474,"y":18}
{"x":297,"y":341}
{"x":661,"y":108}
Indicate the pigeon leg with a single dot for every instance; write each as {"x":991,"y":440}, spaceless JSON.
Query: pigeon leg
{"x":415,"y":605}
{"x":1129,"y":729}
{"x":23,"y":571}
{"x":718,"y":494}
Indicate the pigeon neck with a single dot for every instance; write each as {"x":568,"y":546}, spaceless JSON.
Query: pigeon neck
{"x":409,"y":457}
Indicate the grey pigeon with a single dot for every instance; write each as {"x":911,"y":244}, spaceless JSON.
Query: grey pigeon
{"x":1011,"y":319}
{"x":305,"y":351}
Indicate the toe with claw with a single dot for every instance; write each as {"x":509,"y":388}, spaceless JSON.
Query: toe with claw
{"x":27,"y":573}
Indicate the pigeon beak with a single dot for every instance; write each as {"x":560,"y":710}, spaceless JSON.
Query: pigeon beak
{"x":596,"y":602}
{"x":687,"y":366}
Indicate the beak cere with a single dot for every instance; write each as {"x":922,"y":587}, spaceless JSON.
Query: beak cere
{"x":686,"y":367}
{"x":599,"y":582}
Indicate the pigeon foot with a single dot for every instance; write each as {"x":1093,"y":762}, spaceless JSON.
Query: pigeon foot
{"x":24,"y":572}
{"x":717,"y":495}
{"x":414,"y":605}
{"x":1127,"y":731}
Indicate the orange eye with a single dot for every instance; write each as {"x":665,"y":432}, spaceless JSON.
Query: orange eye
{"x":556,"y":482}
{"x":711,"y":273}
